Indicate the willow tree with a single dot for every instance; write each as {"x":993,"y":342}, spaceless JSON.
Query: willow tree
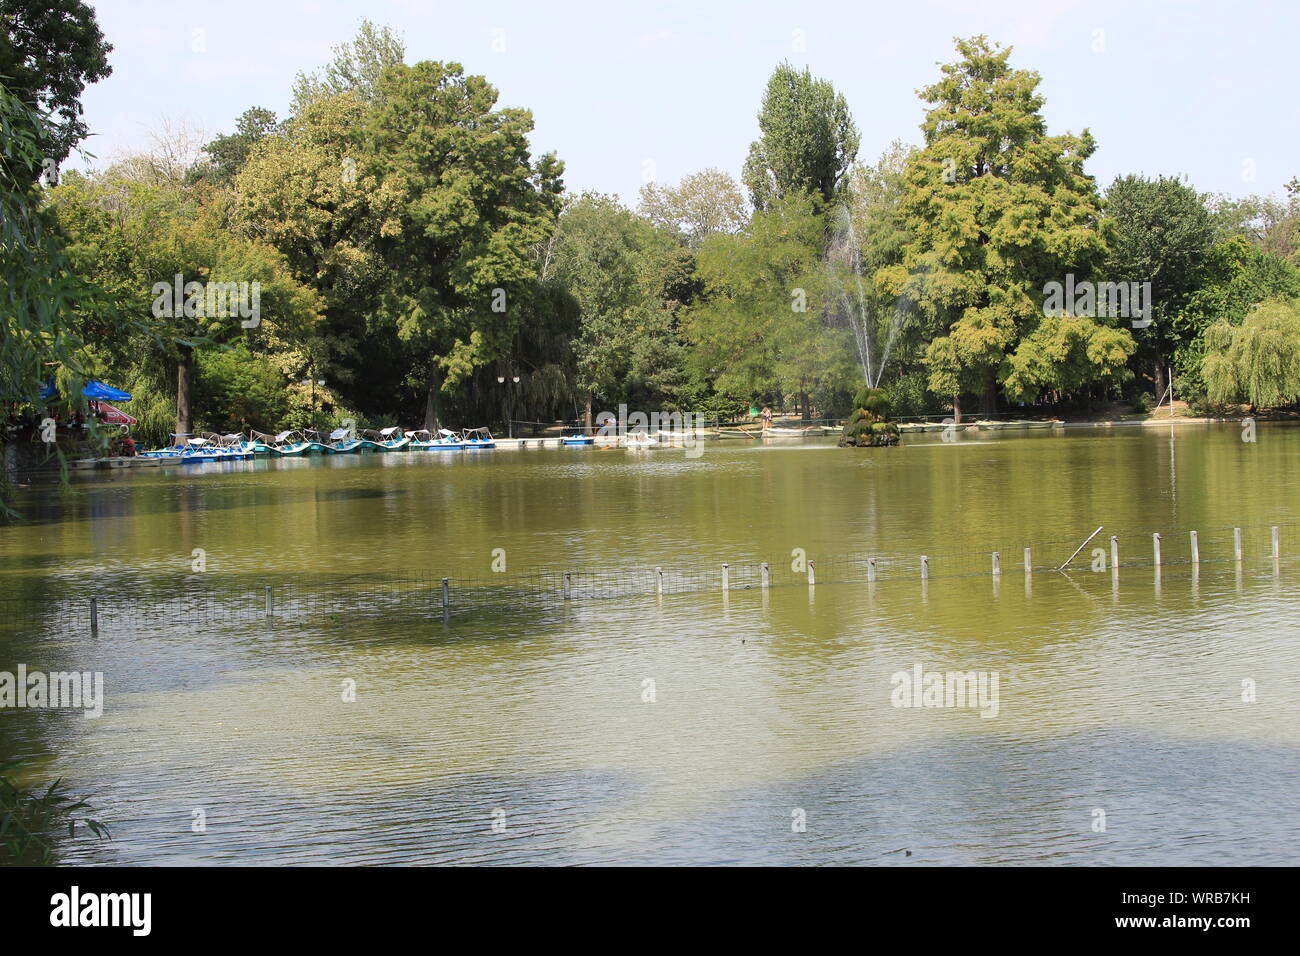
{"x":1257,"y":361}
{"x":994,"y":209}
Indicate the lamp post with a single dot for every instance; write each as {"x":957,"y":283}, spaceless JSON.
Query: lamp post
{"x":510,"y":412}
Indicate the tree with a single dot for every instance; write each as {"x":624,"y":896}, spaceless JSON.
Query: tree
{"x":49,"y":51}
{"x":758,"y":328}
{"x":995,"y":209}
{"x":471,"y":206}
{"x":1162,"y":234}
{"x":39,"y":291}
{"x":619,"y":268}
{"x":807,"y":140}
{"x":1259,"y":360}
{"x":129,"y":237}
{"x":227,"y":153}
{"x":1238,"y":276}
{"x":355,"y":68}
{"x":701,"y":205}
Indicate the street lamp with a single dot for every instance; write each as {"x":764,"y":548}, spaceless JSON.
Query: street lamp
{"x":510,"y":424}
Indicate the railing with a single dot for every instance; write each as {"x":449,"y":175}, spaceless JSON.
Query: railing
{"x":198,"y":602}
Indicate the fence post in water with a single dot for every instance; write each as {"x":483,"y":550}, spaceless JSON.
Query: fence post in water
{"x":1277,"y":545}
{"x":568,"y":584}
{"x":812,"y":573}
{"x":726,"y":577}
{"x":1196,"y":549}
{"x":1236,"y":544}
{"x":871,"y":570}
{"x":925,"y":568}
{"x":1155,"y":547}
{"x":94,"y":615}
{"x":766,"y":572}
{"x":659,"y":579}
{"x":997,"y":562}
{"x":1114,"y":551}
{"x":1029,"y":560}
{"x":270,"y":604}
{"x":446,"y":592}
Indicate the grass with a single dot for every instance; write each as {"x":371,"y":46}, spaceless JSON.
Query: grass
{"x":32,"y":820}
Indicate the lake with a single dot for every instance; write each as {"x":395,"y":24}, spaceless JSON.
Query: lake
{"x":1141,"y":716}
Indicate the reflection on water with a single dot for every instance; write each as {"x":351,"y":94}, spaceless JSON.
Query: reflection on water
{"x":691,"y":728}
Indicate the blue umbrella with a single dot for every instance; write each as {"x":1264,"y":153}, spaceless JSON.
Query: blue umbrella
{"x":99,"y":392}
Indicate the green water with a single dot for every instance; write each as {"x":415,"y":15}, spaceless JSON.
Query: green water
{"x":1119,"y":690}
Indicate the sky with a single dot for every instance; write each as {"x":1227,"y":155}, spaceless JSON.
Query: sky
{"x":629,"y":92}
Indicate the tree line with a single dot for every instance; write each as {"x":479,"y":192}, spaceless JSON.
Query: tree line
{"x":417,"y":263}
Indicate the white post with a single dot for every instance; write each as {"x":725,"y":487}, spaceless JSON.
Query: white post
{"x":269,"y":603}
{"x":812,"y":573}
{"x":446,"y":592}
{"x":997,"y":563}
{"x":1236,"y":544}
{"x":871,"y":570}
{"x":1277,"y":545}
{"x":925,"y":568}
{"x":1114,"y":551}
{"x":1196,"y":549}
{"x":659,"y":579}
{"x":766,"y":576}
{"x":568,"y":585}
{"x":1155,"y":547}
{"x":726,"y":576}
{"x":1029,"y":560}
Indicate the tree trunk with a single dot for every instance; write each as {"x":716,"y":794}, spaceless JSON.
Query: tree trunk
{"x":804,"y":410}
{"x":1160,"y":378}
{"x":184,"y":389}
{"x":433,"y":401}
{"x":990,"y":396}
{"x":956,"y":409}
{"x":587,"y":414}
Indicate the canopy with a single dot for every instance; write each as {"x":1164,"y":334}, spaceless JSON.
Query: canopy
{"x":99,"y":392}
{"x":114,"y":416}
{"x":282,"y":436}
{"x":445,"y":432}
{"x":388,"y":431}
{"x":338,"y":433}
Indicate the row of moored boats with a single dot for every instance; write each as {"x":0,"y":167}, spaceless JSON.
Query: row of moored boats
{"x":290,"y":444}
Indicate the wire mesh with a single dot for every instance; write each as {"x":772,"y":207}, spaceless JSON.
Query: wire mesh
{"x":200,"y":602}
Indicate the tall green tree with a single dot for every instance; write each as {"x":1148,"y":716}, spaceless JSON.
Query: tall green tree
{"x":621,"y":272}
{"x":49,"y":51}
{"x":471,"y":207}
{"x":807,"y":140}
{"x":1162,"y":234}
{"x":995,"y":209}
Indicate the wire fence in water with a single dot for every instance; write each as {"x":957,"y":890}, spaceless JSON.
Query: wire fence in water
{"x":199,"y":601}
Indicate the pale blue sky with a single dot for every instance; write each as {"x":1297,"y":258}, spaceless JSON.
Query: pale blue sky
{"x":1204,"y":89}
